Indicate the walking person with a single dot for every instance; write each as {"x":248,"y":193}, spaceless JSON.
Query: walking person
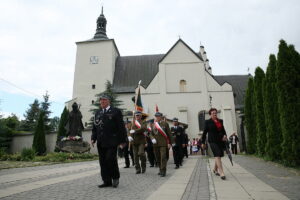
{"x":149,"y":148}
{"x":216,"y":138}
{"x":138,"y":138}
{"x":161,"y":139}
{"x":177,"y":133}
{"x":233,"y":139}
{"x":109,"y":132}
{"x":186,"y":143}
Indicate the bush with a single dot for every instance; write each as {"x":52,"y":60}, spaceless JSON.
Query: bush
{"x":15,"y":157}
{"x":28,"y":154}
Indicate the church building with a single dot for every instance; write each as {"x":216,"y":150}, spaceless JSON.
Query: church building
{"x":180,"y":82}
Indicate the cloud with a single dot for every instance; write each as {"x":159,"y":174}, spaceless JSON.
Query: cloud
{"x":38,"y":37}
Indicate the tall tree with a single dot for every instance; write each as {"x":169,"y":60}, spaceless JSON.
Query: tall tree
{"x":288,"y":84}
{"x":45,"y":105}
{"x":39,"y":139}
{"x":250,"y":117}
{"x":273,"y":131}
{"x":62,"y":132}
{"x":31,"y":116}
{"x":261,"y":138}
{"x":113,"y":99}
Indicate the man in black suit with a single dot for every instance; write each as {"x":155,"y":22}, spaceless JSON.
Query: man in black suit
{"x":109,"y":132}
{"x":179,"y":138}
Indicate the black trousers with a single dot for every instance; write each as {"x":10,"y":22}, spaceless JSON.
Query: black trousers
{"x":185,"y":152}
{"x":234,"y":148}
{"x":126,"y":155}
{"x":177,"y":153}
{"x":150,"y":155}
{"x":108,"y":164}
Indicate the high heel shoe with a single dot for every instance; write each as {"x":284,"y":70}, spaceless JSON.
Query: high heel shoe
{"x":223,"y":177}
{"x":216,"y":173}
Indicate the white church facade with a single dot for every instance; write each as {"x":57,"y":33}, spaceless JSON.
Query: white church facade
{"x":179,"y":82}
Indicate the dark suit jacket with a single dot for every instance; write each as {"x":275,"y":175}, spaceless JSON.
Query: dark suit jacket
{"x":108,"y":128}
{"x":214,"y":136}
{"x":178,"y":135}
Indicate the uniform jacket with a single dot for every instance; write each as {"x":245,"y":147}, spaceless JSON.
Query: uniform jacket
{"x":214,"y":136}
{"x":108,"y":128}
{"x":138,"y":136}
{"x":160,"y":140}
{"x":178,"y":135}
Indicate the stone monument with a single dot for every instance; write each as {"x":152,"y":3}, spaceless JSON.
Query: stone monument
{"x":74,"y":143}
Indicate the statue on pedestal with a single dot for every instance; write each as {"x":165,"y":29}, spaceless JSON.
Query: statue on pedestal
{"x":74,"y":126}
{"x":74,"y":143}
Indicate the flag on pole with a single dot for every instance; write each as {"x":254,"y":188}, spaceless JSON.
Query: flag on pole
{"x":156,"y":108}
{"x":138,"y":101}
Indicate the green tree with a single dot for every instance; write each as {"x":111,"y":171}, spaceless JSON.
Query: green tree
{"x":54,"y":122}
{"x":113,"y":99}
{"x":5,"y":135}
{"x":250,"y":117}
{"x":31,"y":116}
{"x":12,"y":122}
{"x":261,"y":138}
{"x":62,"y":132}
{"x":39,"y":139}
{"x":45,"y":105}
{"x":288,"y":83}
{"x":273,"y":131}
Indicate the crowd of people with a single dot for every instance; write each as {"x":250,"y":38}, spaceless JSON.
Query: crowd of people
{"x":152,"y":140}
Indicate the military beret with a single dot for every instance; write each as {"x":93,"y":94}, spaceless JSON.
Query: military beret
{"x":104,"y":97}
{"x":158,"y":114}
{"x":175,"y":119}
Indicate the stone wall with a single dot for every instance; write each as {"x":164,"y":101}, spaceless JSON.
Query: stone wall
{"x":24,"y":140}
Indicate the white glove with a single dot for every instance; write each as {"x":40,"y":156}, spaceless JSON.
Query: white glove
{"x":154,"y":141}
{"x":173,"y":145}
{"x":130,"y":139}
{"x":132,"y":131}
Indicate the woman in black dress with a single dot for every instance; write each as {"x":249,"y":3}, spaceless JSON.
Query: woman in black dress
{"x":216,"y":139}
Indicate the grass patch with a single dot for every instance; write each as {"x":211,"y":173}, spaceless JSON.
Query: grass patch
{"x":29,"y":159}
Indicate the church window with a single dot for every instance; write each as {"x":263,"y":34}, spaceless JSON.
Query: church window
{"x":182,"y":86}
{"x":93,"y":86}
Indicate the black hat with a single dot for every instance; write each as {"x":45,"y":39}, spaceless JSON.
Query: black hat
{"x":175,"y":119}
{"x":158,"y":114}
{"x":104,"y":96}
{"x":138,"y":113}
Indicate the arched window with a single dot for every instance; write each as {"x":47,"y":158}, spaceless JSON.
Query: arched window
{"x":182,"y":86}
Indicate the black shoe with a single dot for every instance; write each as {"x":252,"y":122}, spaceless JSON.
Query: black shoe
{"x":126,"y":167}
{"x":216,"y":173}
{"x":151,"y":165}
{"x":143,"y":171}
{"x":138,"y":172}
{"x":223,"y":177}
{"x":177,"y":167}
{"x":158,"y":173}
{"x":115,"y":183}
{"x":162,"y":174}
{"x":104,"y":185}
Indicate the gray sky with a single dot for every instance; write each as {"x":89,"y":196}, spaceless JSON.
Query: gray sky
{"x":37,"y":37}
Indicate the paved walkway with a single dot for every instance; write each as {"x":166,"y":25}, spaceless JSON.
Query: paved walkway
{"x":248,"y":178}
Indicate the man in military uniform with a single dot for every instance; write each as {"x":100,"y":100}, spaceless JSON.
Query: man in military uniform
{"x":178,"y":136}
{"x":109,"y":132}
{"x":137,"y":136}
{"x":161,"y":139}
